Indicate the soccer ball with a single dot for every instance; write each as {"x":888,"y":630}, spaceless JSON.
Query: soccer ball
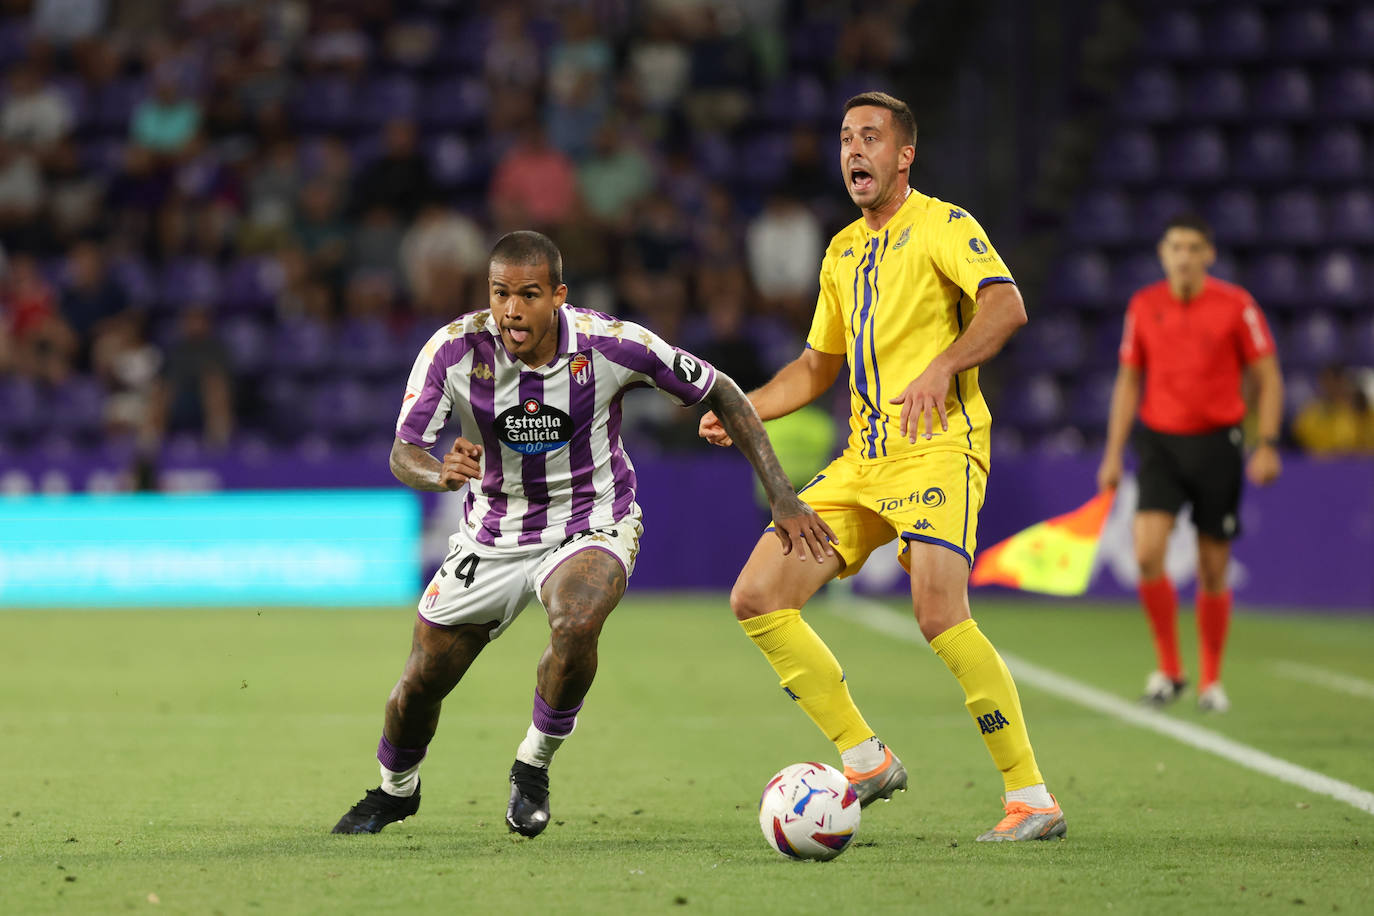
{"x":809,"y":811}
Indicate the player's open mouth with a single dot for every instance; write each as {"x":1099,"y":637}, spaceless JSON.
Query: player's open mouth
{"x":860,"y":180}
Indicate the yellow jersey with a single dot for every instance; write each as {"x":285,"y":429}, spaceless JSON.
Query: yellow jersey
{"x":891,"y":301}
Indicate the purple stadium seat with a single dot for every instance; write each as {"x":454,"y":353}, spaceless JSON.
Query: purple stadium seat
{"x":78,"y":99}
{"x":14,"y":40}
{"x":365,"y":347}
{"x":1349,"y":93}
{"x":82,"y":401}
{"x":1276,"y":279}
{"x":252,"y":284}
{"x":188,"y":281}
{"x":1262,"y":154}
{"x":1350,"y":217}
{"x":1153,"y":211}
{"x":1335,"y":154}
{"x":103,"y":155}
{"x":1081,"y":279}
{"x":1090,"y":400}
{"x":1173,"y":35}
{"x":1053,"y":343}
{"x":1235,"y":215}
{"x":1131,"y":274}
{"x":302,"y":347}
{"x":455,"y":102}
{"x":1294,"y":217}
{"x":1216,"y":95}
{"x":388,"y":97}
{"x":1150,"y":94}
{"x":113,"y":105}
{"x":133,"y":276}
{"x":1299,"y":388}
{"x":1283,"y":93}
{"x":365,"y":149}
{"x":1314,"y":340}
{"x":325,"y":103}
{"x":1338,"y":278}
{"x":248,"y":344}
{"x":1104,"y":342}
{"x":1226,"y":267}
{"x":465,"y":47}
{"x":285,"y":399}
{"x":1361,"y":341}
{"x":1101,"y":217}
{"x":456,"y":163}
{"x":1303,"y":32}
{"x":765,"y":160}
{"x":1236,"y":33}
{"x":1356,"y":34}
{"x":797,"y":99}
{"x":1196,"y":155}
{"x":22,"y":410}
{"x":1034,"y":403}
{"x":1129,"y":155}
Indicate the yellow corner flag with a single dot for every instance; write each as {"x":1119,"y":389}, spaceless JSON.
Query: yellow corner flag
{"x":1054,"y":557}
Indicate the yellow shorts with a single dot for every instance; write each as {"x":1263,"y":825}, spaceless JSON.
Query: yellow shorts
{"x":933,"y":497}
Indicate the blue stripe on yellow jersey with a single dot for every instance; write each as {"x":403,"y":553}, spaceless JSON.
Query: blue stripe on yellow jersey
{"x":891,"y":301}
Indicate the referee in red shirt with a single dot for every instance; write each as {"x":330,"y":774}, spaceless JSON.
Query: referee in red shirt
{"x":1190,"y":341}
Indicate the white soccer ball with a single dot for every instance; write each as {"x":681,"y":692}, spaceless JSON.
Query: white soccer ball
{"x":809,"y":811}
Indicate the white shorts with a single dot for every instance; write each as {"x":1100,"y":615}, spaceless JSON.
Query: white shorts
{"x":492,"y":585}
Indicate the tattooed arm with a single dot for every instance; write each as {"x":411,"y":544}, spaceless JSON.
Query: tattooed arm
{"x":419,"y":470}
{"x":794,"y":521}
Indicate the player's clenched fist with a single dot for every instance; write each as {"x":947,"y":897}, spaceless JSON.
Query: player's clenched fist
{"x":712,"y":430}
{"x":460,"y":464}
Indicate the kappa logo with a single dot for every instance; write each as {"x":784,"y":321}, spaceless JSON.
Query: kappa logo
{"x":922,"y":525}
{"x":903,"y":238}
{"x":955,"y":213}
{"x":483,"y":372}
{"x":992,"y":722}
{"x":848,"y":253}
{"x":581,"y":369}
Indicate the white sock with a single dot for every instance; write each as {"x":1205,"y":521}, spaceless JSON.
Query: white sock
{"x":865,"y":756}
{"x":402,"y":784}
{"x":1037,"y":796}
{"x":538,"y":748}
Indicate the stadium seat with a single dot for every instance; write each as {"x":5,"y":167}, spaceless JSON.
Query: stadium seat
{"x":1338,"y":278}
{"x":1235,"y":215}
{"x":1216,"y":95}
{"x":1283,"y":93}
{"x":1196,"y":155}
{"x":1154,"y":209}
{"x":1314,"y":340}
{"x":1104,"y":342}
{"x":1090,"y":400}
{"x":384,"y":98}
{"x":1262,"y":154}
{"x":1101,"y":217}
{"x":302,"y":347}
{"x":1350,"y":217}
{"x":325,"y":103}
{"x":14,"y":40}
{"x":454,"y":102}
{"x":1129,"y":155}
{"x":188,"y":281}
{"x":113,"y":105}
{"x":1225,"y":267}
{"x":340,"y":406}
{"x":1175,"y":34}
{"x":1361,"y":340}
{"x":1299,"y":389}
{"x":1052,"y":343}
{"x":364,"y":346}
{"x":248,"y":344}
{"x":133,"y":276}
{"x":1082,"y":278}
{"x":1236,"y":33}
{"x":22,"y":410}
{"x":1276,"y":279}
{"x":1349,"y":94}
{"x":1294,"y":217}
{"x":83,"y":408}
{"x":1335,"y":154}
{"x":1034,"y":403}
{"x":796,"y":99}
{"x":465,"y":46}
{"x":1149,"y":95}
{"x":455,"y":163}
{"x":1355,"y":37}
{"x":1302,"y":32}
{"x":252,"y":284}
{"x":1132,"y":273}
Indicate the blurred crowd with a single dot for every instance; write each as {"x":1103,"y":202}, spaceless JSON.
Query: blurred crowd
{"x":232,"y":220}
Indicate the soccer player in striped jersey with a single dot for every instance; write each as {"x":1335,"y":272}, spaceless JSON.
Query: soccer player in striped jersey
{"x":914,"y":297}
{"x":549,"y":512}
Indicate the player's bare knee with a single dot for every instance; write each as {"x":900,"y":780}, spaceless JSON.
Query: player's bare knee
{"x":1150,"y":562}
{"x":750,"y":599}
{"x":937,"y":611}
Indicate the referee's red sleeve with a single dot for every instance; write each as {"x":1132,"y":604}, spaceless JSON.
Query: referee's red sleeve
{"x":1256,"y":340}
{"x":1130,"y":352}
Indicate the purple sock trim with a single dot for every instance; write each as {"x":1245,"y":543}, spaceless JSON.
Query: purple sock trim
{"x":398,"y":759}
{"x":550,"y":721}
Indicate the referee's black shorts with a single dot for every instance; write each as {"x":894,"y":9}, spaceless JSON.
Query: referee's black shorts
{"x":1204,"y":470}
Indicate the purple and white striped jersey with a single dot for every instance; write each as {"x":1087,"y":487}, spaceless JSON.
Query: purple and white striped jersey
{"x":553,"y":463}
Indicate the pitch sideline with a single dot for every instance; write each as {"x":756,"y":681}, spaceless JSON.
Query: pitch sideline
{"x":881,"y":618}
{"x":1321,"y":677}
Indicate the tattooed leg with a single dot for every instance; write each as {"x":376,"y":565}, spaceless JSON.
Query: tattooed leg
{"x":438,"y":660}
{"x":579,"y":596}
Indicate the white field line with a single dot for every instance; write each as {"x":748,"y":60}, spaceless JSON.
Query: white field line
{"x":1311,"y":674}
{"x":878,"y":617}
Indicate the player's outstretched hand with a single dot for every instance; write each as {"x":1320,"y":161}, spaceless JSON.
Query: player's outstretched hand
{"x":924,"y":399}
{"x":712,"y":430}
{"x":1109,"y":473}
{"x":460,"y":464}
{"x":1264,"y":466}
{"x":799,"y":527}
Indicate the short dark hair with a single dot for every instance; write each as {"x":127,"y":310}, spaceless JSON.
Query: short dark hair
{"x":1192,"y":221}
{"x":901,"y":111}
{"x":524,"y":246}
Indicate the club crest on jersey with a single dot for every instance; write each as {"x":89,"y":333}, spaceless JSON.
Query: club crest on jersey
{"x":978,"y":245}
{"x":532,"y":428}
{"x":581,"y":369}
{"x":483,"y":371}
{"x":687,"y":367}
{"x":903,"y":238}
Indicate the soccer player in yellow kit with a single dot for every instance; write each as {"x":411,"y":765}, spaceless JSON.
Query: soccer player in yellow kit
{"x":914,"y":297}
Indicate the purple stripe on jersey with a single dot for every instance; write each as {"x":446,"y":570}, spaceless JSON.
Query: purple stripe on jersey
{"x":637,"y":358}
{"x":582,"y":407}
{"x":533,"y":477}
{"x":482,"y":398}
{"x":418,"y":420}
{"x":621,"y":470}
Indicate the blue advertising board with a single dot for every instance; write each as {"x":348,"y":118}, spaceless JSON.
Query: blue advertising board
{"x":308,"y":547}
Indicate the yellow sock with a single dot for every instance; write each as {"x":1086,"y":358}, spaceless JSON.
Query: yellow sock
{"x":990,"y":695}
{"x":810,"y":674}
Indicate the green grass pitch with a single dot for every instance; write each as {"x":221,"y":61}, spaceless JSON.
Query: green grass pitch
{"x":193,"y":762}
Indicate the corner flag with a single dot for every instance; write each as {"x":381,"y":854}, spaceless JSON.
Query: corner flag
{"x":1054,"y":557}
